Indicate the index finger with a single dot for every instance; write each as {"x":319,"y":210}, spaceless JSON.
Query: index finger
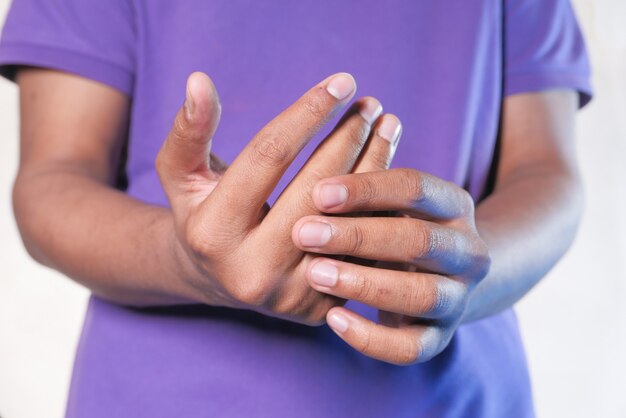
{"x":249,"y":181}
{"x":400,"y":189}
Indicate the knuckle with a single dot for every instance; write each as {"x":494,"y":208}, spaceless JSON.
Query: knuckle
{"x":271,"y":150}
{"x":366,"y":192}
{"x":424,"y":298}
{"x":353,"y":239}
{"x":179,"y":128}
{"x":319,"y":307}
{"x":363,"y":289}
{"x":253,"y":293}
{"x":482,"y":261}
{"x":364,"y":343}
{"x":307,"y":183}
{"x":204,"y":239}
{"x":379,"y":158}
{"x":163,"y":162}
{"x":315,"y":106}
{"x":197,"y":241}
{"x":261,"y":287}
{"x":182,"y":133}
{"x":456,"y":299}
{"x":302,"y":201}
{"x":304,"y":307}
{"x":415,"y":184}
{"x":353,"y":133}
{"x":283,"y":304}
{"x":407,"y":352}
{"x":430,"y":342}
{"x":426,"y":242}
{"x":462,"y":260}
{"x":248,"y":296}
{"x":439,"y":299}
{"x":472,"y":261}
{"x":466,"y":202}
{"x":359,"y":132}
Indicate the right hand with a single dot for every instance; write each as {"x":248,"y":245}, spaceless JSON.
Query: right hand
{"x":233,"y":250}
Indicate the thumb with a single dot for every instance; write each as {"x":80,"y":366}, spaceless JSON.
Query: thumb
{"x":188,"y":146}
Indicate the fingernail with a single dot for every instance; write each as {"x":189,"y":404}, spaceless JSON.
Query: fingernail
{"x":314,"y":234}
{"x":390,"y":130}
{"x":338,"y":322}
{"x":189,"y":105}
{"x":333,"y":195}
{"x":371,"y":110}
{"x":324,"y":274}
{"x":341,"y":85}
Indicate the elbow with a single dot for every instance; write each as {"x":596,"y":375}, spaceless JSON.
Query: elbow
{"x":27,"y":219}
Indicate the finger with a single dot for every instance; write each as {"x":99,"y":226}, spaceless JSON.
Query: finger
{"x":404,"y":345}
{"x":415,"y":193}
{"x":414,"y":294}
{"x":259,"y":167}
{"x":186,"y":150}
{"x":430,"y":246}
{"x":340,"y":150}
{"x":336,"y":154}
{"x":381,"y":146}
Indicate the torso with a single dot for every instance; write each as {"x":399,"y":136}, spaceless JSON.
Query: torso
{"x":438,"y":66}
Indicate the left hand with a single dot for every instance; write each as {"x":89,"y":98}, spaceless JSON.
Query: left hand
{"x":429,"y":260}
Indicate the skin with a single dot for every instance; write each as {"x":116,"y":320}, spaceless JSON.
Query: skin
{"x":137,"y":254}
{"x":451,"y":262}
{"x":444,"y":262}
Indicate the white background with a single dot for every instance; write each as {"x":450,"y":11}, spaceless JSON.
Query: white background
{"x":574,"y":322}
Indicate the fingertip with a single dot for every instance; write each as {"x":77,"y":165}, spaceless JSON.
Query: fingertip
{"x":295,"y":232}
{"x":322,"y":274}
{"x":328,"y":196}
{"x":389,"y":128}
{"x":341,"y":86}
{"x":189,"y":141}
{"x":370,"y":109}
{"x":431,"y":343}
{"x":201,"y":96}
{"x":337,"y":320}
{"x":198,"y":81}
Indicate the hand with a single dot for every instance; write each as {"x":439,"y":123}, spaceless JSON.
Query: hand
{"x":431,"y":258}
{"x":233,"y":250}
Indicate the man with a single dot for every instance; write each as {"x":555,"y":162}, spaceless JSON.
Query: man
{"x":487,"y":198}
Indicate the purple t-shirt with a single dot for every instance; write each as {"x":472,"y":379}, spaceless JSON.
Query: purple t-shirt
{"x":444,"y":67}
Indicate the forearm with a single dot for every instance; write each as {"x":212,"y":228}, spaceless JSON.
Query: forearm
{"x":121,"y":249}
{"x":528,"y":223}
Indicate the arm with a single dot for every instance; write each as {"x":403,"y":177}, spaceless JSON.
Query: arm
{"x":69,"y":216}
{"x":458,"y":264}
{"x":132,"y":253}
{"x":531,"y":218}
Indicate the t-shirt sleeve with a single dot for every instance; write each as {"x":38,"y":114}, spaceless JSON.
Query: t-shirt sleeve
{"x":91,"y":38}
{"x":544,"y":48}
